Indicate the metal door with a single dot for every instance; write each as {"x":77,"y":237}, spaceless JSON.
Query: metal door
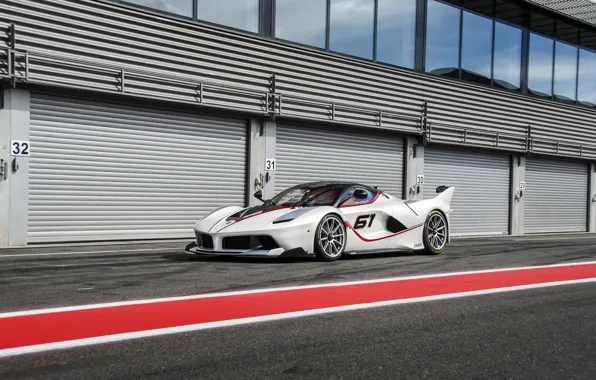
{"x":556,"y":195}
{"x":481,"y":180}
{"x":105,"y":171}
{"x":370,"y":157}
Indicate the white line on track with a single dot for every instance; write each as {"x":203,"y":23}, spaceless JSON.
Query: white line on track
{"x":274,"y":317}
{"x":558,"y":238}
{"x":91,"y":252}
{"x":281,"y":289}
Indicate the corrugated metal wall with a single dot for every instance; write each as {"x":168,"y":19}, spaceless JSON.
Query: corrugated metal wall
{"x":152,"y":50}
{"x":313,"y":154}
{"x":556,"y":195}
{"x":109,"y":171}
{"x":481,"y":180}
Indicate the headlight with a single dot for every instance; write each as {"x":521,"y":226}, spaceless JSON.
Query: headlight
{"x":292,"y":215}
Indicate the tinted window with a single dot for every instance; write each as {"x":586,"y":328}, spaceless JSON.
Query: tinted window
{"x":442,"y":39}
{"x":567,"y":32}
{"x":477,"y":43}
{"x":241,"y":14}
{"x":565,"y":71}
{"x":510,"y":11}
{"x":588,"y":39}
{"x":180,"y":7}
{"x":542,"y":23}
{"x":484,"y":7}
{"x":396,"y":32}
{"x":508,"y":41}
{"x":587,"y":78}
{"x":540,"y":71}
{"x":352,"y":27}
{"x":302,"y":21}
{"x":307,"y":196}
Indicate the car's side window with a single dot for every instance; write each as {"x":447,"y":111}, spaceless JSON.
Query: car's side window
{"x":348,"y":198}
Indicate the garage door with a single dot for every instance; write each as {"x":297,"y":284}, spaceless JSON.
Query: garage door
{"x":481,"y":200}
{"x":556,"y":195}
{"x":312,"y":154}
{"x":103,"y":171}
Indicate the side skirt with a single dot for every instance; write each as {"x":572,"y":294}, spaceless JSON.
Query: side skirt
{"x":378,"y":251}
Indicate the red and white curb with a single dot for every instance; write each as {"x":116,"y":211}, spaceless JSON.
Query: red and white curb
{"x":67,"y":327}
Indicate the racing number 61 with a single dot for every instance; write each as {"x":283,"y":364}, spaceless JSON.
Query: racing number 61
{"x":363,"y":220}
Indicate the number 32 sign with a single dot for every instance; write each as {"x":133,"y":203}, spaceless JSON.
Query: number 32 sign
{"x":19,"y":148}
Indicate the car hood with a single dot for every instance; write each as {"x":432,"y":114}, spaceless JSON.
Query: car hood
{"x":244,"y":219}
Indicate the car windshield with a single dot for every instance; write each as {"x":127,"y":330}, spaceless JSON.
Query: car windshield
{"x":306,"y":196}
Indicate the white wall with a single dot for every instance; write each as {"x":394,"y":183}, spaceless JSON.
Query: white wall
{"x":14,"y":125}
{"x":4,"y":184}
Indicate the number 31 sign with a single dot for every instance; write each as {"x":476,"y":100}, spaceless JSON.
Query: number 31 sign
{"x":19,"y":148}
{"x":270,"y":164}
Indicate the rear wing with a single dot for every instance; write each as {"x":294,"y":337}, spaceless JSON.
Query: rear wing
{"x":445,"y":194}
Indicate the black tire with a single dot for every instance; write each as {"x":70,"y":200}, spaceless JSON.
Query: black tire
{"x":319,"y":249}
{"x":429,"y":247}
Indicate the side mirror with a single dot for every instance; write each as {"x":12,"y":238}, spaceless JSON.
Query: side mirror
{"x":442,"y":188}
{"x":360,"y":194}
{"x":259,"y":195}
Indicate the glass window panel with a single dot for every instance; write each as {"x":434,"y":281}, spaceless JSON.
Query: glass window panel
{"x":352,"y":27}
{"x":442,"y":39}
{"x":240,"y":14}
{"x":485,"y":7}
{"x":396,"y":32}
{"x":508,"y":51}
{"x":540,"y":71}
{"x":587,"y":78}
{"x":565,"y":71}
{"x":477,"y":41}
{"x":454,"y":2}
{"x":567,"y":32}
{"x":543,"y":24}
{"x":588,"y":39}
{"x":510,"y":11}
{"x":302,"y":21}
{"x":180,"y":7}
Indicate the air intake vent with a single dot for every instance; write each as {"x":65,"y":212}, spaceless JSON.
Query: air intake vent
{"x":204,"y":241}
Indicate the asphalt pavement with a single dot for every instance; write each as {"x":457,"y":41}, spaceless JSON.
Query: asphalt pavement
{"x":531,"y":334}
{"x":36,"y":277}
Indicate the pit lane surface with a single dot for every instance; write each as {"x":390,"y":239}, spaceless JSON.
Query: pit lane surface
{"x":528,"y":334}
{"x":32,"y":278}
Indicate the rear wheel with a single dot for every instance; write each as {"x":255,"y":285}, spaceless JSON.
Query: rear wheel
{"x":435,"y":233}
{"x":330,"y":238}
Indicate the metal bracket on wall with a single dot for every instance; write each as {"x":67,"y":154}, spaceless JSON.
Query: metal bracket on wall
{"x":424,"y":123}
{"x":530,"y":140}
{"x":271,"y":97}
{"x":3,"y":170}
{"x":274,"y":101}
{"x":15,"y":60}
{"x":12,"y":41}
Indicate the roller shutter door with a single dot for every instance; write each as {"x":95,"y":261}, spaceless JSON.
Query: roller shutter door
{"x":481,"y":200}
{"x":306,"y":154}
{"x":556,"y":196}
{"x":102,"y":171}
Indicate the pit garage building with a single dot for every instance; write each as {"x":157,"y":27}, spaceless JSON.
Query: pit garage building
{"x":130,"y":119}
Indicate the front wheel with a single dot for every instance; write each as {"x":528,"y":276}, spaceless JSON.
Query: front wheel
{"x":435,"y":233}
{"x":330,"y":238}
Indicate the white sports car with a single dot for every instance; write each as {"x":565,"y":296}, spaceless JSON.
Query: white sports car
{"x":327,"y":220}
